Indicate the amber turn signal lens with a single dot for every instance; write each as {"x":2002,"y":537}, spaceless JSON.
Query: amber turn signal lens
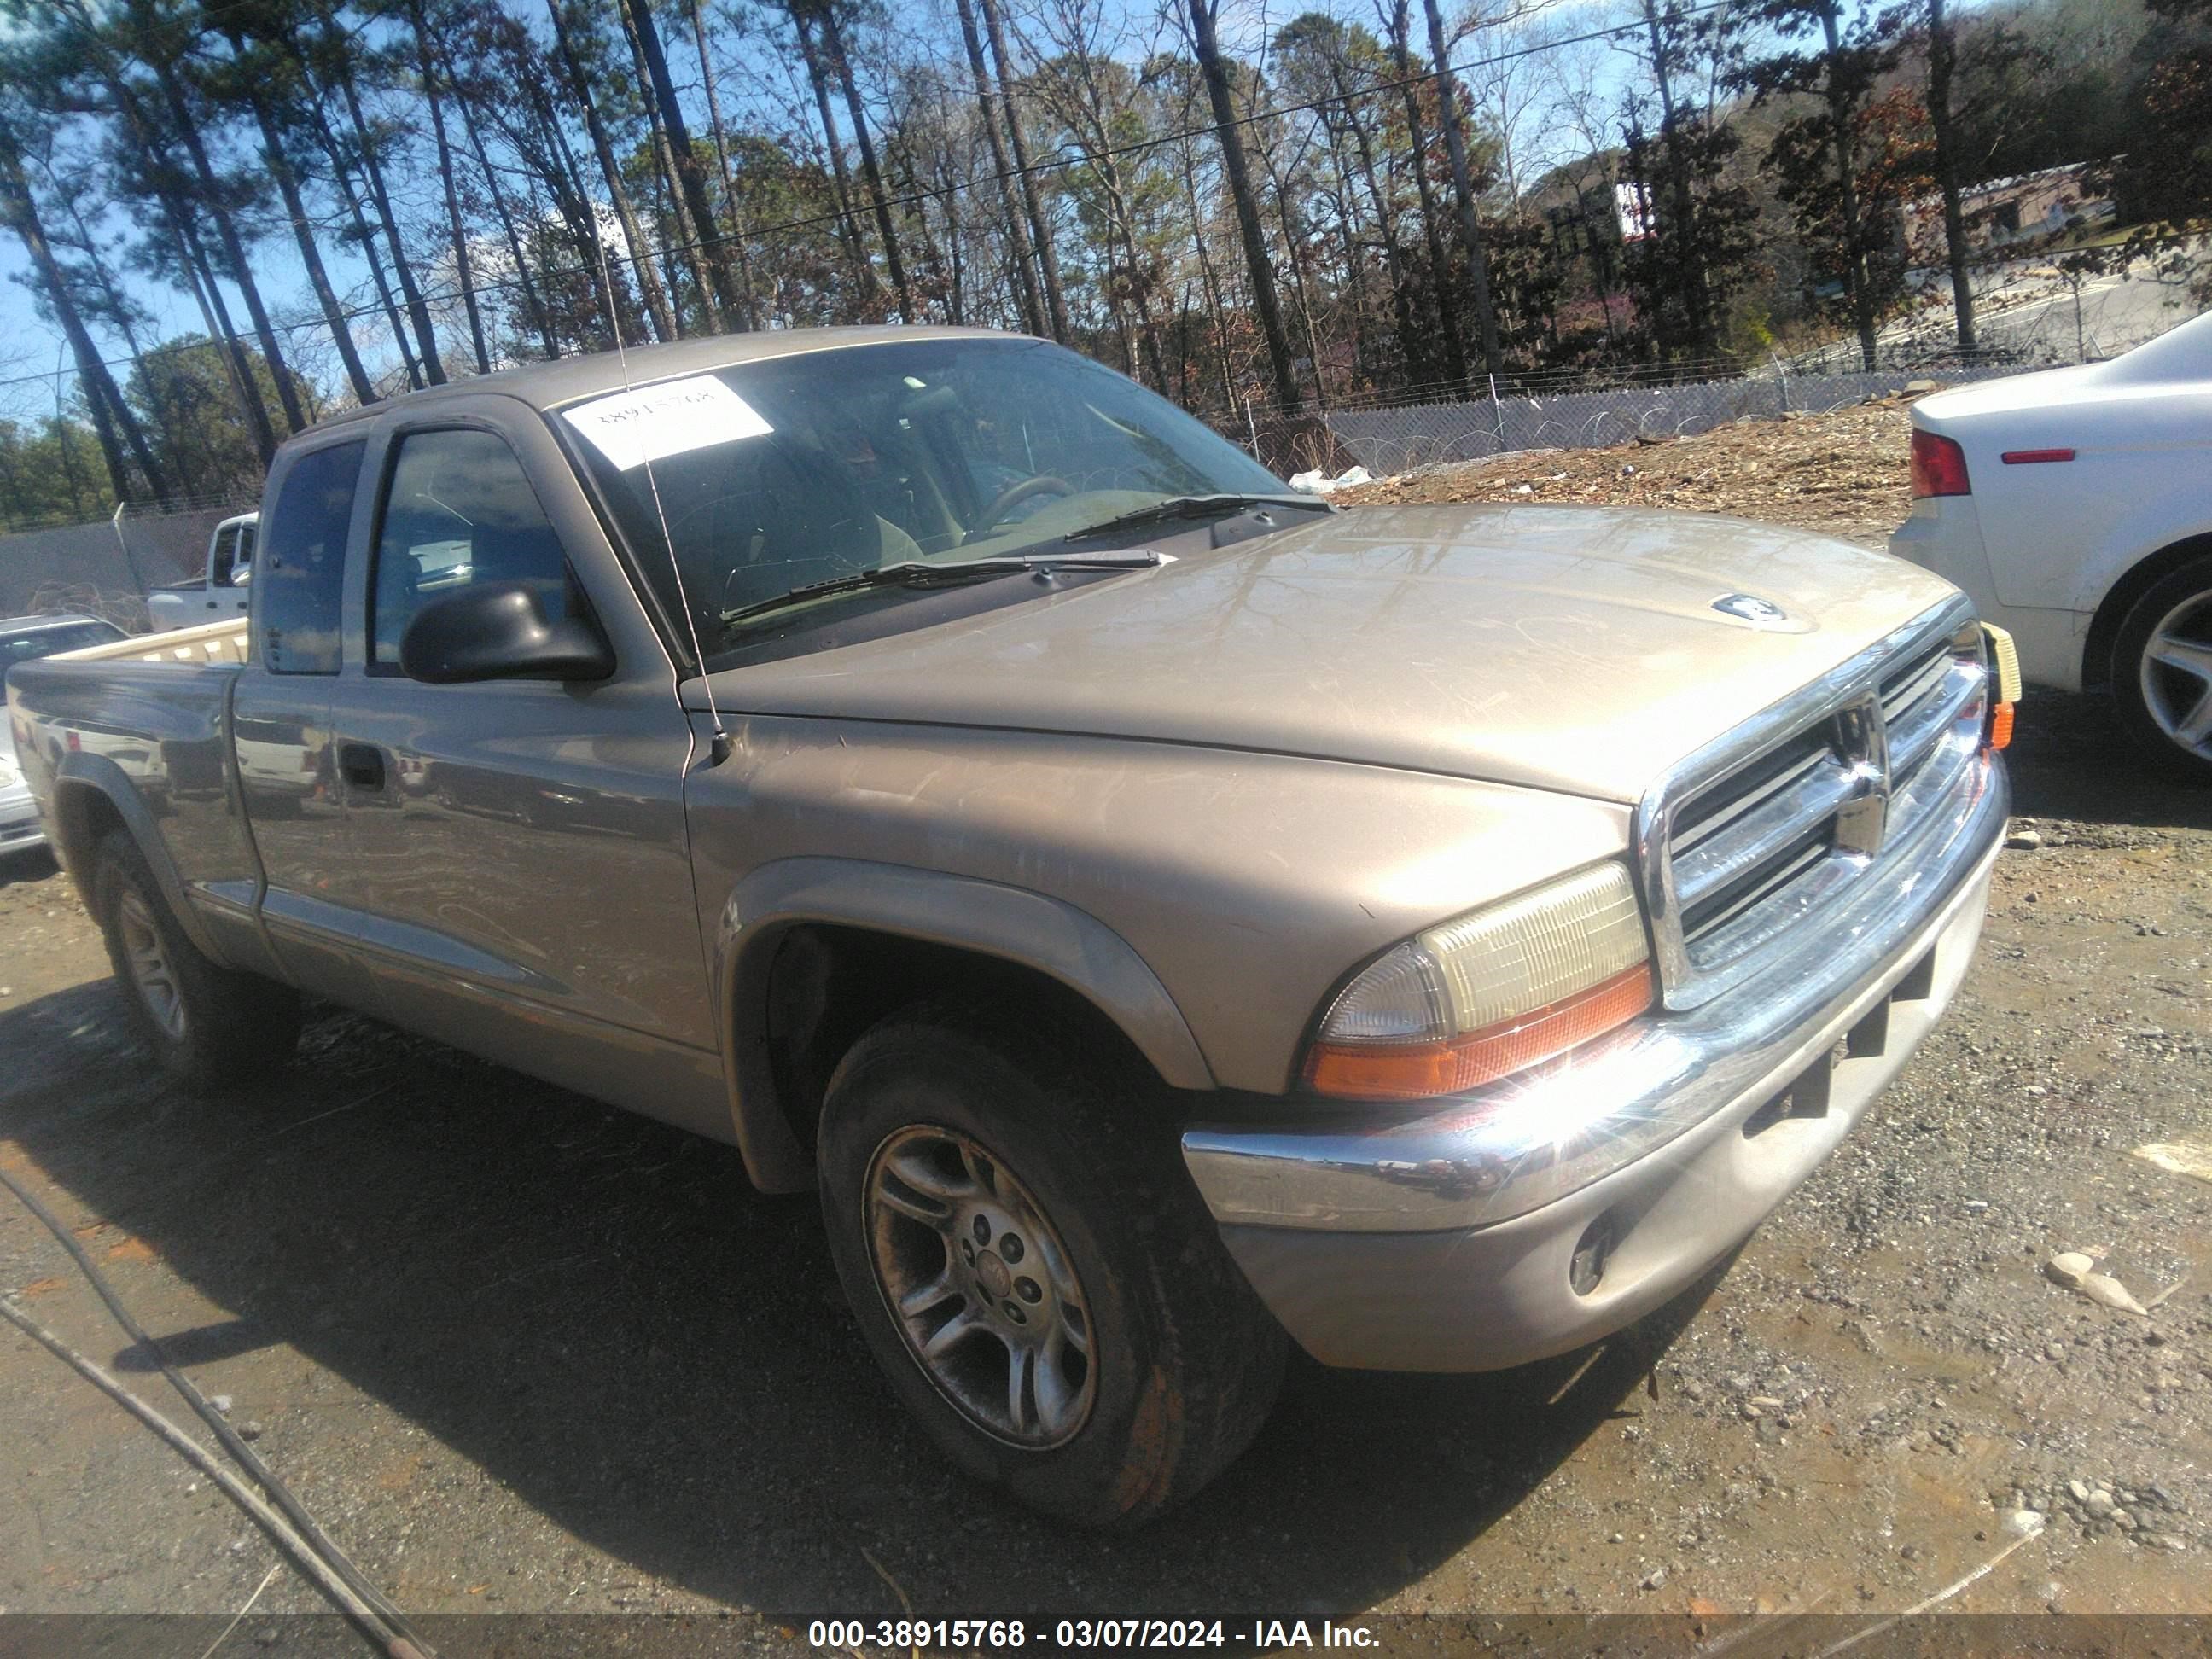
{"x":1419,"y":1071}
{"x":2000,"y":726}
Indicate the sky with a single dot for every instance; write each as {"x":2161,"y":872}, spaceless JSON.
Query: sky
{"x":35,"y":359}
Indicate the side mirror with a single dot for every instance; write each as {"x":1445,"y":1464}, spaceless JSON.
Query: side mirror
{"x":499,"y":631}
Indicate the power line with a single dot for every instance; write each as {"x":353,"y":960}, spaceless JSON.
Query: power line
{"x":914,"y":199}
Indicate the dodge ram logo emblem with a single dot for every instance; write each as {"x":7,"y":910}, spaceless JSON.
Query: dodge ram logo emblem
{"x":1749,"y":607}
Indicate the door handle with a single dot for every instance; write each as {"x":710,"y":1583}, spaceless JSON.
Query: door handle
{"x":362,"y":765}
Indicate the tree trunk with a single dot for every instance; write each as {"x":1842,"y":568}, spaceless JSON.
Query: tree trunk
{"x":841,"y":179}
{"x":748,"y":308}
{"x":1942,"y":60}
{"x":1855,"y":264}
{"x":426,"y":337}
{"x":1689,"y":263}
{"x":1393,"y":263}
{"x":1055,"y":298}
{"x":1470,"y":223}
{"x":234,"y":247}
{"x":459,"y":234}
{"x":640,"y":261}
{"x":19,"y":212}
{"x":1208,"y":286}
{"x":1016,"y":242}
{"x":1231,"y":140}
{"x":222,"y":335}
{"x":540,"y":324}
{"x":199,"y":272}
{"x":578,"y":213}
{"x":690,"y":178}
{"x":279,"y":162}
{"x":352,"y":200}
{"x":842,"y":67}
{"x":687,"y":250}
{"x":1431,"y":222}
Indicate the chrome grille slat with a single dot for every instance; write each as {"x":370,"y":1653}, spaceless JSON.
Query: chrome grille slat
{"x":1913,"y":736}
{"x":1715,"y":811}
{"x":1767,"y":825}
{"x":1714,"y":931}
{"x":1760,"y":834}
{"x":1901,"y":691}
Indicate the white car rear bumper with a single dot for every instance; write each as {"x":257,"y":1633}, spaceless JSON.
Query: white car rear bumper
{"x":1944,"y":535}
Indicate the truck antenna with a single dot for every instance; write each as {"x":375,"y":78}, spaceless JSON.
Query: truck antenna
{"x":719,"y":751}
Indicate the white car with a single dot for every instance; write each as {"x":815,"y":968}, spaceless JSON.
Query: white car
{"x":2074,"y":506}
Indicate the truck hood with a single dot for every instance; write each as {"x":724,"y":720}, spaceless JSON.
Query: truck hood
{"x":1576,"y":649}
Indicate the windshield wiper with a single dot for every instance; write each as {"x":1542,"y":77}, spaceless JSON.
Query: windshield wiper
{"x":917,"y":573}
{"x":1193,"y":506}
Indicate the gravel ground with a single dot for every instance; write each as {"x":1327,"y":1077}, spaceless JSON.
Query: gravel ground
{"x":522,"y":1353}
{"x":1844,"y":474}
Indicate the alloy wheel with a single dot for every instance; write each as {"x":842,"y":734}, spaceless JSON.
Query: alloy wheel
{"x":980,"y":1286}
{"x":151,"y":975}
{"x":2176,"y":672}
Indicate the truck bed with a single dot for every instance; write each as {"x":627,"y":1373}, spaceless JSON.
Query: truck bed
{"x":144,"y":723}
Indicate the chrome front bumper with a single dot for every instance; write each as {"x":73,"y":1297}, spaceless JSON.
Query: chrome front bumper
{"x":1444,"y":1240}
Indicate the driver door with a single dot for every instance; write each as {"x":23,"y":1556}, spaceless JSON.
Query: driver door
{"x":517,"y":861}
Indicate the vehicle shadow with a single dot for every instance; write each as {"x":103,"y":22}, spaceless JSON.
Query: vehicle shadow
{"x":2070,"y":759}
{"x":26,"y":868}
{"x":600,"y":1314}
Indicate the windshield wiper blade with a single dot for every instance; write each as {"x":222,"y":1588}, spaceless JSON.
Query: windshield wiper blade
{"x":1193,"y":506}
{"x":912,"y":572}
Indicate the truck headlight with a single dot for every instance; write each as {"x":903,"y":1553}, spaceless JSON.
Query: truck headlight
{"x":1488,"y":993}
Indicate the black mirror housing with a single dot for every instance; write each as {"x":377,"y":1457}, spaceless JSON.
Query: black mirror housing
{"x":499,"y":631}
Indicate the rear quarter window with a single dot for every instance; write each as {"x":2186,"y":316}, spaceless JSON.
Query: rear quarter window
{"x":301,"y":586}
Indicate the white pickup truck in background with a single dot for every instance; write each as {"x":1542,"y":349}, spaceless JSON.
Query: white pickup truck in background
{"x":222,"y":591}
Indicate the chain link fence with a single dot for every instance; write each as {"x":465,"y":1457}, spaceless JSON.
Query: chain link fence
{"x":1400,"y":440}
{"x":106,"y":567}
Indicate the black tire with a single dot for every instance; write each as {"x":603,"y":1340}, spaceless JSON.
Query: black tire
{"x":1182,"y":1363}
{"x":219,"y":1025}
{"x":2152,"y":696}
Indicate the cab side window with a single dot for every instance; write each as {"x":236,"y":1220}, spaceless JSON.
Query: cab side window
{"x":295,"y":603}
{"x":459,"y":512}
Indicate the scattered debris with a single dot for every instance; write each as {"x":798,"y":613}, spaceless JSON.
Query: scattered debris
{"x":1844,"y":474}
{"x":2024,"y":840}
{"x":2186,"y":1157}
{"x":2104,"y":1288}
{"x":1318,"y":484}
{"x":2068,"y":1268}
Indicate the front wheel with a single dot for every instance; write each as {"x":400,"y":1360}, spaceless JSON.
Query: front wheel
{"x":1031,"y":1267}
{"x":2162,"y":671}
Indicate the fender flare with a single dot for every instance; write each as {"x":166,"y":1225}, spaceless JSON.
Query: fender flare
{"x":1013,"y":924}
{"x":80,"y":775}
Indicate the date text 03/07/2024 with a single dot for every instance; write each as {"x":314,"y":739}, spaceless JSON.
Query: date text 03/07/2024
{"x":985,"y":1634}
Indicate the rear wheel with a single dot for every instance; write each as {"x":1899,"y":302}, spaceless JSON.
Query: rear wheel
{"x":1031,"y":1267}
{"x":203,"y":1023}
{"x":2162,"y":671}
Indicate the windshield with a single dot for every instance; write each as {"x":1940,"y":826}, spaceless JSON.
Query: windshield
{"x":48,"y":641}
{"x":799,"y":470}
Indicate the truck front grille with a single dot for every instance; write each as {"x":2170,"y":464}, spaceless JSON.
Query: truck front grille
{"x":1760,"y":831}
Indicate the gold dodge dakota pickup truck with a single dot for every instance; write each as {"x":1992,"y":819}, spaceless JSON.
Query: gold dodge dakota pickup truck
{"x":1164,"y":918}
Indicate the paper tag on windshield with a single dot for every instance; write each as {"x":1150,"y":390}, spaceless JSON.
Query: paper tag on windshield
{"x":655,"y":422}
